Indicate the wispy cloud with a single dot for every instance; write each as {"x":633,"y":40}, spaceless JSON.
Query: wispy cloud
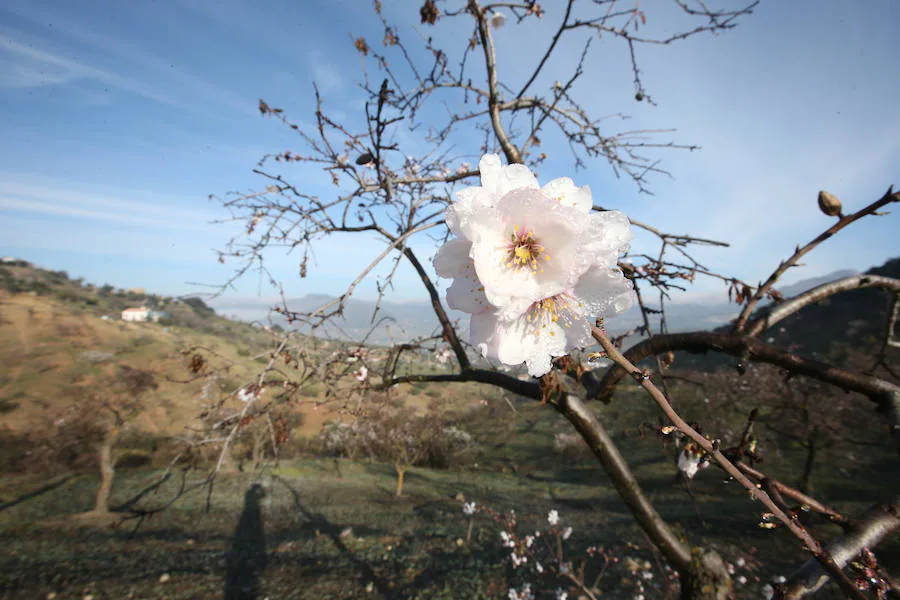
{"x":196,"y":94}
{"x":121,"y":207}
{"x":61,"y":70}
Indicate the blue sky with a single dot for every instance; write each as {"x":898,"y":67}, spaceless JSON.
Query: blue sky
{"x":119,"y":119}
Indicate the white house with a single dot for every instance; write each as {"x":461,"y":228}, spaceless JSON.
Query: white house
{"x":141,"y":314}
{"x":136,"y":314}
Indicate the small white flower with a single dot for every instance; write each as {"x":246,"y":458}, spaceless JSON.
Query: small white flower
{"x":527,"y":594}
{"x":639,"y":597}
{"x":561,"y":594}
{"x":742,"y":580}
{"x":553,"y":517}
{"x":362,"y":374}
{"x":539,"y":567}
{"x":740,"y":562}
{"x":529,"y":540}
{"x":443,"y":355}
{"x":780,"y":579}
{"x":246,"y":396}
{"x":567,"y":533}
{"x":469,"y":508}
{"x":689,"y":464}
{"x":497,"y":20}
{"x":647,"y":575}
{"x":768,"y":591}
{"x":730,"y":569}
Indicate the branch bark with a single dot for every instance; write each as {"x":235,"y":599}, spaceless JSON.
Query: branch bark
{"x":791,"y":306}
{"x":593,"y":432}
{"x":490,"y":63}
{"x":879,"y":523}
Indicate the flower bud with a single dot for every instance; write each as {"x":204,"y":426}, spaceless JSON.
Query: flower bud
{"x":829,"y":204}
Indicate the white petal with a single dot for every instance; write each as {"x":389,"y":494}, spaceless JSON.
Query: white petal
{"x":467,"y":295}
{"x":564,"y":191}
{"x":483,"y":333}
{"x":514,"y":177}
{"x":452,"y":259}
{"x":534,"y":343}
{"x":604,"y":292}
{"x":497,"y":180}
{"x":489,"y":166}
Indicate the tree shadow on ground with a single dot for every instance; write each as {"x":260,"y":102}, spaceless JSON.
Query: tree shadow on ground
{"x":38,"y":492}
{"x":334,"y":532}
{"x":246,"y":558}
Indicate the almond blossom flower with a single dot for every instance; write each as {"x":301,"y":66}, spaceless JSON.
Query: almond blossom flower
{"x":524,"y":594}
{"x":532,"y":265}
{"x":362,"y":374}
{"x":688,"y":463}
{"x":553,"y":517}
{"x":693,"y":459}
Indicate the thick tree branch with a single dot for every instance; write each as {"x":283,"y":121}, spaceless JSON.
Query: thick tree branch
{"x":490,"y":63}
{"x":593,"y":432}
{"x":789,"y":307}
{"x":878,"y":524}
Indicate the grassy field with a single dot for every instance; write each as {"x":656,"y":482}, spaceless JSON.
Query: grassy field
{"x":317,"y":528}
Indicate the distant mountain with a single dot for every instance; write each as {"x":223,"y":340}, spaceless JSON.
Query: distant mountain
{"x":807,"y":284}
{"x":849,"y":322}
{"x":401,"y":321}
{"x":395,"y":321}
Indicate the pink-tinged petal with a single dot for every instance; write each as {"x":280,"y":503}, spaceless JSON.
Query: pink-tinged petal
{"x":452,"y":259}
{"x":557,"y":232}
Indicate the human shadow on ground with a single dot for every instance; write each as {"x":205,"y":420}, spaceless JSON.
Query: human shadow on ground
{"x":246,"y":558}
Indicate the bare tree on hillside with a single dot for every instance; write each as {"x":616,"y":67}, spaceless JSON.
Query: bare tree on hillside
{"x":395,"y":170}
{"x":84,"y":435}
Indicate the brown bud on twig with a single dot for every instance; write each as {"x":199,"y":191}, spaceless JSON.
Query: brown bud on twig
{"x":830,"y":204}
{"x":429,"y":12}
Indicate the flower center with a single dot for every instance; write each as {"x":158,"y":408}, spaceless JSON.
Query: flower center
{"x":523,"y":250}
{"x":561,"y":308}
